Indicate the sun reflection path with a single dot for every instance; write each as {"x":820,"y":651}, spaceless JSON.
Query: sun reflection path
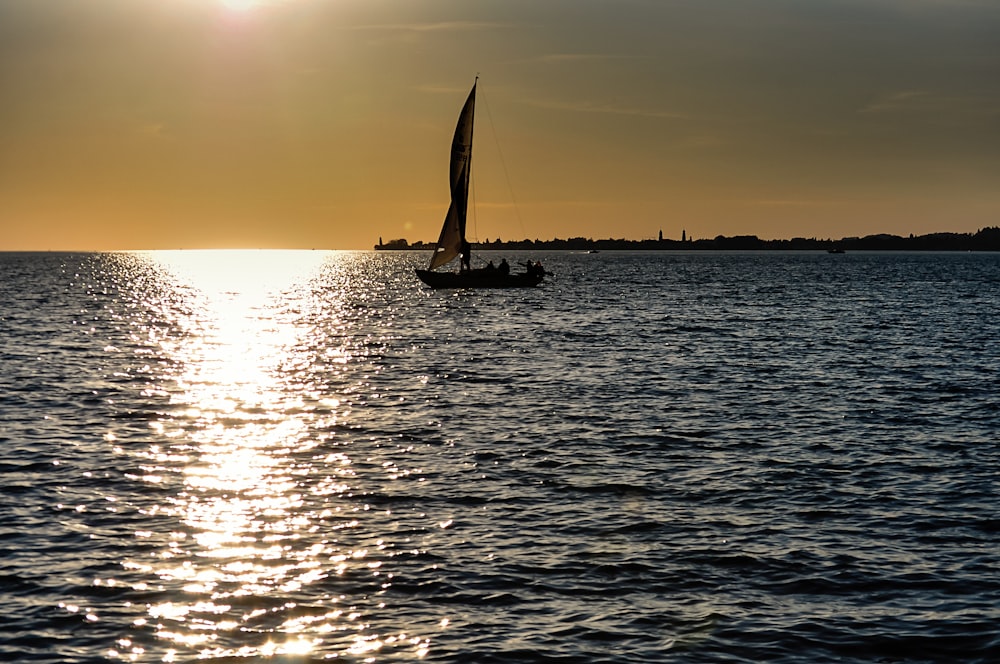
{"x":245,"y":573}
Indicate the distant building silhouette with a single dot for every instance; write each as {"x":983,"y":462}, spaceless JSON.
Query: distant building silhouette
{"x":986,"y":239}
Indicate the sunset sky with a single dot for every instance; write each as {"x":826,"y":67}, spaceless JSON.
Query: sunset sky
{"x":145,"y":124}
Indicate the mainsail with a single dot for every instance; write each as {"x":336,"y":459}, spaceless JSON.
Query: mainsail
{"x":449,"y":244}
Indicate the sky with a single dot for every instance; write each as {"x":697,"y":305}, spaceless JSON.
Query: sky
{"x":163,"y":124}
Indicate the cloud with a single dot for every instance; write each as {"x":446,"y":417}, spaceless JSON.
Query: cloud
{"x":156,"y":131}
{"x":921,"y":101}
{"x":905,"y":100}
{"x":580,"y":57}
{"x":609,"y":109}
{"x":794,"y":202}
{"x":441,"y":26}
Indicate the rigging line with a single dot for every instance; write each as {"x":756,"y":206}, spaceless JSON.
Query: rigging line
{"x":472,"y":203}
{"x":475,"y":218}
{"x":503,"y":164}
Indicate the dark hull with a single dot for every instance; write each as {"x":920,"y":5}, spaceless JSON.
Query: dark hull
{"x":478,"y":279}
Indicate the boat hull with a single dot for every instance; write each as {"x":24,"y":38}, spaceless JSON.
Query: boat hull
{"x":478,"y":279}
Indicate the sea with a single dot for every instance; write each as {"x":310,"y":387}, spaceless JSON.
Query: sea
{"x":305,"y":456}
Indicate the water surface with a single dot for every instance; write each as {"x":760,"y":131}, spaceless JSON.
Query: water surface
{"x":677,"y":457}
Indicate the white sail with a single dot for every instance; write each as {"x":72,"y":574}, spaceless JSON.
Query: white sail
{"x":449,"y":244}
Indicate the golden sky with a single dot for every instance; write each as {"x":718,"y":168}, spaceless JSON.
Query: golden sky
{"x":146,"y":124}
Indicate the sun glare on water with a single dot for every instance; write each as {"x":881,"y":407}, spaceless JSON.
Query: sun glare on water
{"x":255,"y":499}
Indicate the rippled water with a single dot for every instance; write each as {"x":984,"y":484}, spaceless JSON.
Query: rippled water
{"x":302,"y":456}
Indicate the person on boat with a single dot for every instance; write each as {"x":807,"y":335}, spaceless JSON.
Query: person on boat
{"x":490,"y":267}
{"x":504,"y":268}
{"x":466,"y":256}
{"x":534,"y":268}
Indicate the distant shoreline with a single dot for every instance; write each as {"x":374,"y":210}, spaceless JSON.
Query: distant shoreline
{"x":986,"y":239}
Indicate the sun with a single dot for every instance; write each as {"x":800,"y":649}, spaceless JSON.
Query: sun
{"x":240,"y":5}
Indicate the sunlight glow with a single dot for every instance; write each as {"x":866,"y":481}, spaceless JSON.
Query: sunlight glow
{"x":240,"y":5}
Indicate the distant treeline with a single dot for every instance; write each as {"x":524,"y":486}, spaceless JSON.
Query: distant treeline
{"x":987,"y":239}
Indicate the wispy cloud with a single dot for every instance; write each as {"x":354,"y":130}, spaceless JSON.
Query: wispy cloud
{"x":602,"y":108}
{"x":794,"y":202}
{"x":153,"y":130}
{"x":441,"y":89}
{"x":922,"y":101}
{"x":442,"y":26}
{"x":556,"y":58}
{"x":905,"y":100}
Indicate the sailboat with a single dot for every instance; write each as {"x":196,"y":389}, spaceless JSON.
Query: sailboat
{"x":451,"y":242}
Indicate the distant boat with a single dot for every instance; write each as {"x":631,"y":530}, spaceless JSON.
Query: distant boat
{"x":451,"y":243}
{"x":836,"y":250}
